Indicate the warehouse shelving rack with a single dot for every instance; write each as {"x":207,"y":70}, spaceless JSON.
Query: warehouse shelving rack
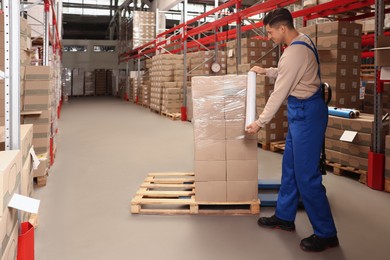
{"x":191,"y":38}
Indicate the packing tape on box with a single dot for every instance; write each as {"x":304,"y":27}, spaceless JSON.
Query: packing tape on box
{"x":250,"y":99}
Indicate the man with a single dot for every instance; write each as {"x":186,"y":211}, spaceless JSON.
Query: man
{"x":298,"y":78}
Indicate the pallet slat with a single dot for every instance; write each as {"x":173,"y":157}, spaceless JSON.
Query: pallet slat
{"x":162,"y":194}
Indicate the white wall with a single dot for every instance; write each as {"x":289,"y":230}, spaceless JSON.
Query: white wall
{"x":91,"y":60}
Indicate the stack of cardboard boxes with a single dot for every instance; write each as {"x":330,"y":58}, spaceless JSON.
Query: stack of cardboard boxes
{"x":146,"y":83}
{"x":339,"y":46}
{"x":137,"y":91}
{"x":262,"y":52}
{"x":10,"y":177}
{"x":277,"y":128}
{"x":89,"y":83}
{"x":351,"y":154}
{"x":201,"y":62}
{"x":78,"y":82}
{"x":225,"y":157}
{"x":66,"y":82}
{"x":162,"y":77}
{"x":38,"y":101}
{"x":100,"y":82}
{"x":368,"y":102}
{"x":143,"y":28}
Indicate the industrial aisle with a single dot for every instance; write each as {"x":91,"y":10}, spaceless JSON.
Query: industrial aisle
{"x":105,"y":149}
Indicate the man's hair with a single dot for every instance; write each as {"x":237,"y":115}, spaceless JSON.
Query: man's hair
{"x":277,"y":17}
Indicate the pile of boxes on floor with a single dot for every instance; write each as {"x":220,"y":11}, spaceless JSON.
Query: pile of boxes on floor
{"x":225,"y":157}
{"x":16,"y":172}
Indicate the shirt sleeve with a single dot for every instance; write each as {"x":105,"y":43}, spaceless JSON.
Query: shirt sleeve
{"x":291,"y":68}
{"x":271,"y":72}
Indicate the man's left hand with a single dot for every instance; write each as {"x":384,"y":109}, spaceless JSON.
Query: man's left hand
{"x":252,"y":128}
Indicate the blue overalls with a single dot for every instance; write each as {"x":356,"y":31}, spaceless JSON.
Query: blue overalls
{"x":301,"y":176}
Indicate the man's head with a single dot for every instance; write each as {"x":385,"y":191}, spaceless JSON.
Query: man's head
{"x":277,"y":23}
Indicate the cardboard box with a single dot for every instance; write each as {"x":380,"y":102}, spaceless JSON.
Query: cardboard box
{"x":382,"y":57}
{"x":7,"y":222}
{"x":342,"y":84}
{"x":242,"y":191}
{"x":338,"y":42}
{"x":266,"y":137}
{"x":353,"y":161}
{"x":363,"y":124}
{"x":340,"y":57}
{"x":242,"y":149}
{"x":210,"y":191}
{"x":38,"y":73}
{"x":345,"y":100}
{"x":10,"y":250}
{"x":10,"y":169}
{"x":235,"y":107}
{"x":340,"y":70}
{"x":242,"y":170}
{"x":210,"y":150}
{"x":339,"y":28}
{"x":27,"y":177}
{"x":43,"y":166}
{"x":362,"y":139}
{"x":41,"y":85}
{"x":310,"y":31}
{"x":210,"y":171}
{"x":208,"y":108}
{"x":332,"y":156}
{"x":235,"y":129}
{"x":347,"y":148}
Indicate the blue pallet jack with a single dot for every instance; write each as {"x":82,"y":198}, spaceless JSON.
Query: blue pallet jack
{"x":268,"y":189}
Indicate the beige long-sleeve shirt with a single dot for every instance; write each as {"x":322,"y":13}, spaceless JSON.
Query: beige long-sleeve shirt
{"x":296,"y":75}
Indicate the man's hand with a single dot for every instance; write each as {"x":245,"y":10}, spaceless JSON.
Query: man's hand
{"x":258,"y":70}
{"x":252,"y":128}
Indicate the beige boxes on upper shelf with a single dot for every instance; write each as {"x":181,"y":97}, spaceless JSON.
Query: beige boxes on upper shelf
{"x":225,"y":156}
{"x":339,"y":47}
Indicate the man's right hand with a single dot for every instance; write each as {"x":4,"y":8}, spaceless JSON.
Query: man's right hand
{"x":259,"y":70}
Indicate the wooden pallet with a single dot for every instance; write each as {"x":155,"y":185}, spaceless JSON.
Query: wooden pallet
{"x":173,"y":116}
{"x":341,"y":170}
{"x":264,"y":146}
{"x":174,"y":194}
{"x":41,"y":180}
{"x":277,"y":146}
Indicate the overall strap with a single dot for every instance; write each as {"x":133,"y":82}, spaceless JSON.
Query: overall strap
{"x":313,"y":49}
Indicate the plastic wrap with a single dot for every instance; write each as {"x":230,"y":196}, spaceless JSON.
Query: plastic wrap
{"x":251,"y":99}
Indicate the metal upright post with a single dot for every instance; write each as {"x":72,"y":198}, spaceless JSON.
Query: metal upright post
{"x":184,"y":39}
{"x":46,"y":34}
{"x":238,"y":36}
{"x":216,"y":32}
{"x":138,"y":79}
{"x":11,"y":10}
{"x":376,"y":158}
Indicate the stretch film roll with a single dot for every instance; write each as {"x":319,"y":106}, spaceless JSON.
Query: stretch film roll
{"x":251,"y":98}
{"x":343,"y":112}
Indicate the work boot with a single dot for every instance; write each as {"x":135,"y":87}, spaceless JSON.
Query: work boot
{"x":275,"y":222}
{"x":315,"y":243}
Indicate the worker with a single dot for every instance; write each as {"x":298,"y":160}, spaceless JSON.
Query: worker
{"x":298,"y":80}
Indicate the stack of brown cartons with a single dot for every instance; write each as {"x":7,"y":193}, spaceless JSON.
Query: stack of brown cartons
{"x":352,"y":154}
{"x":201,"y":62}
{"x":172,"y":97}
{"x":387,"y":164}
{"x":10,"y":175}
{"x":109,"y":82}
{"x":25,"y":43}
{"x":146,"y":84}
{"x":368,"y":102}
{"x":89,"y":83}
{"x":339,"y":45}
{"x":100,"y":82}
{"x":277,"y":128}
{"x":143,"y":28}
{"x":78,"y":82}
{"x":262,"y":52}
{"x":225,"y":157}
{"x":137,"y":91}
{"x":162,"y":76}
{"x":38,"y":101}
{"x":310,"y":31}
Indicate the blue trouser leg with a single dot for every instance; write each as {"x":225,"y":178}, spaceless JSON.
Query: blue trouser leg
{"x":307,"y":125}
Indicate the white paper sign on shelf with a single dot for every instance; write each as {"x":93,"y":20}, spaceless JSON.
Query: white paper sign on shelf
{"x":24,"y":203}
{"x":35,"y":159}
{"x":348,"y":136}
{"x":385,"y":73}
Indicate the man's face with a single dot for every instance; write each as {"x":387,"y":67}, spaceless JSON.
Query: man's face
{"x":276,"y":33}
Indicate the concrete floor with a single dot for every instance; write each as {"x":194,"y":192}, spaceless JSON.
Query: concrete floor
{"x":105,"y":149}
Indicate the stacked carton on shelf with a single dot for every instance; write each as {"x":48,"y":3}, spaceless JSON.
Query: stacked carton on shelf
{"x":143,"y":28}
{"x":387,"y":164}
{"x":100,"y":82}
{"x":89,"y":83}
{"x":225,"y":157}
{"x":339,"y":46}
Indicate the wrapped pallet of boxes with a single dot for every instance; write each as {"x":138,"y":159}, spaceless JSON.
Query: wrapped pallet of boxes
{"x":78,"y":82}
{"x":66,"y":82}
{"x":387,"y":164}
{"x":100,"y":82}
{"x":89,"y":83}
{"x":339,"y":47}
{"x":10,"y":175}
{"x":38,"y":110}
{"x":225,"y":157}
{"x":351,"y":154}
{"x":143,"y":28}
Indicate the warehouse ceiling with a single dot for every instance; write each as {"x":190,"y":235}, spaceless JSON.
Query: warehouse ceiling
{"x":78,"y":26}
